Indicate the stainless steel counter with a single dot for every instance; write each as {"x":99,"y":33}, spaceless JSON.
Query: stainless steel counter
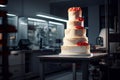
{"x":84,"y":60}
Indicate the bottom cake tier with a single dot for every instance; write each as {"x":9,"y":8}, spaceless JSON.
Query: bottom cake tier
{"x":75,"y":50}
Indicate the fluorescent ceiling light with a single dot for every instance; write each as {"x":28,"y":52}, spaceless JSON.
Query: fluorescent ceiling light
{"x":39,"y":20}
{"x":2,"y":5}
{"x":23,"y":23}
{"x":50,"y":17}
{"x":51,"y":22}
{"x":11,"y":14}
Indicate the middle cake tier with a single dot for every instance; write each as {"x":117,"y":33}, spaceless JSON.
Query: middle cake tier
{"x":75,"y":24}
{"x":74,"y":41}
{"x":74,"y":33}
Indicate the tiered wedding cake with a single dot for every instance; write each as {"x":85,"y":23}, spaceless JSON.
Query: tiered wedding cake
{"x":75,"y":41}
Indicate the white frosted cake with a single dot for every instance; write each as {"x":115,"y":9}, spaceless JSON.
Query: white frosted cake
{"x":75,"y":41}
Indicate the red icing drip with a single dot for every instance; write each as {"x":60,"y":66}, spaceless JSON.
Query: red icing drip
{"x":80,"y":19}
{"x":79,"y":27}
{"x":82,"y":44}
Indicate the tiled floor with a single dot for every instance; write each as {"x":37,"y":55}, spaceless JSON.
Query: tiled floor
{"x":62,"y":76}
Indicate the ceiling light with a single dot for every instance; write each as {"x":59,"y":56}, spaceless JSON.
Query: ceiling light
{"x":39,"y":20}
{"x":2,"y":5}
{"x":51,"y":17}
{"x":51,"y":22}
{"x":11,"y":14}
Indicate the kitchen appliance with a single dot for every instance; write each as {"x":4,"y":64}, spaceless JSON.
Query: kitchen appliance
{"x":99,"y":41}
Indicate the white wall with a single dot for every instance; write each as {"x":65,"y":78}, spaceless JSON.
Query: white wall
{"x":28,"y":7}
{"x":93,"y":23}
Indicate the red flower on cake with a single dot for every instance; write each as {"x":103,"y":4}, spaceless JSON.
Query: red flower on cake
{"x":80,"y":19}
{"x":82,"y":44}
{"x":79,"y":27}
{"x":74,"y":9}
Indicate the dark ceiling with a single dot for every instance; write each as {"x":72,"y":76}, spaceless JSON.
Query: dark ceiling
{"x":59,"y":7}
{"x":82,"y":3}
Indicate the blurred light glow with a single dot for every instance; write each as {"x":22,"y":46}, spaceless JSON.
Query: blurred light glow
{"x":39,"y":20}
{"x":2,"y":5}
{"x":50,"y":17}
{"x":51,"y":22}
{"x":11,"y":14}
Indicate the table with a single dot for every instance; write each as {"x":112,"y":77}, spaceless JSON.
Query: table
{"x":72,"y":59}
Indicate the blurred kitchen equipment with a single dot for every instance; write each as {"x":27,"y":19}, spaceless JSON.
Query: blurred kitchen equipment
{"x":23,"y":44}
{"x":102,"y":34}
{"x":99,"y":41}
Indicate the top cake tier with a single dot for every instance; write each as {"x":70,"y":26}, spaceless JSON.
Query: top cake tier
{"x":74,"y":13}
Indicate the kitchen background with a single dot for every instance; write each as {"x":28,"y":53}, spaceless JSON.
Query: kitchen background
{"x":40,"y":35}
